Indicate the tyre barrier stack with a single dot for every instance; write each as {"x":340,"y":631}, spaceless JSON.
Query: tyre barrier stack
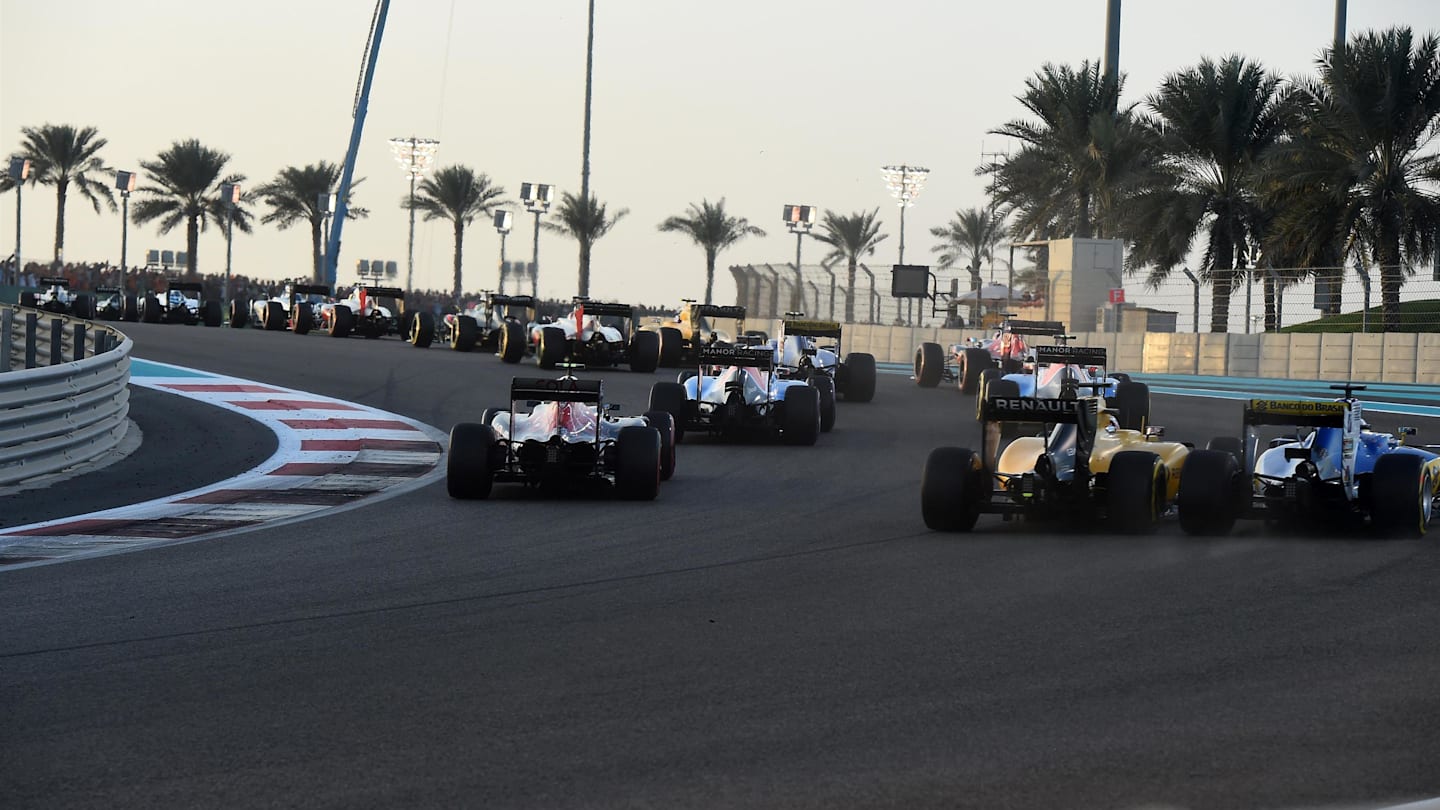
{"x":64,"y":396}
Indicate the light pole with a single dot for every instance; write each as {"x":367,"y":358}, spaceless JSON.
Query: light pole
{"x":504,"y":221}
{"x":905,"y":183}
{"x":799,"y":219}
{"x":229,"y":196}
{"x":414,"y":156}
{"x":536,"y":197}
{"x":19,"y":172}
{"x":125,"y":181}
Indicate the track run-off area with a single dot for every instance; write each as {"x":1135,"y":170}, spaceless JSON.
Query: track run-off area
{"x":777,"y":629}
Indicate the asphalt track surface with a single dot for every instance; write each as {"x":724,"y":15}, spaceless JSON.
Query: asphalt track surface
{"x":779,"y":629}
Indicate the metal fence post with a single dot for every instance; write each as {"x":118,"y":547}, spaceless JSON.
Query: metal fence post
{"x":57,"y":341}
{"x":32,"y":323}
{"x":7,"y":323}
{"x":79,"y":342}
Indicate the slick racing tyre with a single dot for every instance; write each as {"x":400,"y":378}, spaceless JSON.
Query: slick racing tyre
{"x":1132,"y":400}
{"x":826,"y":388}
{"x":929,"y":364}
{"x":342,"y":321}
{"x":211,"y":314}
{"x":464,"y":333}
{"x":672,"y":399}
{"x":85,"y":306}
{"x":859,"y":377}
{"x":552,"y":347}
{"x":274,"y":317}
{"x":1211,"y":492}
{"x":1136,"y":487}
{"x":1402,"y":495}
{"x":950,"y":489}
{"x":800,"y":421}
{"x":512,"y":342}
{"x":1229,"y":444}
{"x":972,"y":362}
{"x":468,"y":473}
{"x":130,"y":310}
{"x":644,"y":352}
{"x":665,"y":423}
{"x":239,"y":315}
{"x":150,"y":309}
{"x":982,"y":390}
{"x":421,"y":331}
{"x":304,"y":319}
{"x":672,"y":346}
{"x":637,"y":463}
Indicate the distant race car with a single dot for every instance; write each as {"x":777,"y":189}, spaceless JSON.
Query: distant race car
{"x":695,"y":325}
{"x":596,"y":334}
{"x":181,"y":302}
{"x":498,"y":324}
{"x":366,"y":313}
{"x":296,"y":307}
{"x":114,"y":304}
{"x":1332,"y":469}
{"x":802,"y":355}
{"x":1007,"y":351}
{"x":55,"y":296}
{"x":1081,"y":465}
{"x":566,"y":443}
{"x":1065,"y":372}
{"x":736,"y":393}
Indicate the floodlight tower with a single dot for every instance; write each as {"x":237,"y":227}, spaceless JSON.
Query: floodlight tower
{"x":905,"y":183}
{"x":229,"y":197}
{"x":125,"y":182}
{"x":537,"y":198}
{"x":504,"y":222}
{"x":414,"y":156}
{"x":799,"y":219}
{"x":19,"y":172}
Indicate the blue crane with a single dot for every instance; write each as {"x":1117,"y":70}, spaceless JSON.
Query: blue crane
{"x":362,"y":102}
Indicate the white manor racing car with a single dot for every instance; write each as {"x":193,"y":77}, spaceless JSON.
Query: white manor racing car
{"x":737,"y":394}
{"x":597,"y":334}
{"x":55,"y":296}
{"x":568,"y":443}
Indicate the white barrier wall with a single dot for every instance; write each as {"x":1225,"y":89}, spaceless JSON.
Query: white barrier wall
{"x":1369,"y":357}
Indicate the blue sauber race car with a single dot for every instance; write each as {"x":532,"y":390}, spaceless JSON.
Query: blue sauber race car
{"x":1332,"y":468}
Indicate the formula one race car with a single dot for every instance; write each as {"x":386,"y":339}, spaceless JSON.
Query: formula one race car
{"x":366,"y":313}
{"x":114,"y":304}
{"x":696,"y":325}
{"x":596,"y":334}
{"x":567,"y":443}
{"x":499,"y":324}
{"x":737,"y":393}
{"x":1006,"y":351}
{"x":1083,"y":465}
{"x":1064,"y":372}
{"x":181,"y":302}
{"x":55,"y":296}
{"x":802,"y":356}
{"x":297,"y":307}
{"x":1333,"y":467}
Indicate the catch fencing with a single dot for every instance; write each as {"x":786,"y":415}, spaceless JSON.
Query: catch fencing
{"x":64,"y":395}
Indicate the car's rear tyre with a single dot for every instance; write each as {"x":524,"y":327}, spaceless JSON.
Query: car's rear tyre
{"x":859,"y":377}
{"x":826,"y":387}
{"x":972,"y":362}
{"x":665,"y":423}
{"x":304,"y":319}
{"x":464,"y":333}
{"x":274,"y":317}
{"x":342,"y":321}
{"x":950,"y":490}
{"x":150,"y":309}
{"x":929,"y":364}
{"x":552,"y":347}
{"x":468,"y":474}
{"x":672,"y":346}
{"x":130,"y":309}
{"x":84,"y":306}
{"x":1228,"y":444}
{"x":1011,"y":365}
{"x":982,"y":389}
{"x":29,"y":299}
{"x":1120,"y":376}
{"x":421,"y":331}
{"x":637,"y":463}
{"x":512,"y":342}
{"x":1210,"y":498}
{"x":672,"y":399}
{"x":1132,"y":401}
{"x":644,"y":352}
{"x":800,"y":423}
{"x":1135,"y":490}
{"x":1402,"y":495}
{"x":212,"y":314}
{"x":239,"y":314}
{"x":685,"y":375}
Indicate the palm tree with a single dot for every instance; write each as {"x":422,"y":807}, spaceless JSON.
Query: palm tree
{"x":971,"y":236}
{"x":1216,"y":122}
{"x":294,"y":196}
{"x":185,"y":180}
{"x":1069,"y":152}
{"x":64,"y":156}
{"x":585,"y":221}
{"x":849,"y":238}
{"x":460,"y":195}
{"x":1367,"y":122}
{"x":712,"y":229}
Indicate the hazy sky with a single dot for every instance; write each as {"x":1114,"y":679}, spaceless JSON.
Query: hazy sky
{"x":760,"y":102}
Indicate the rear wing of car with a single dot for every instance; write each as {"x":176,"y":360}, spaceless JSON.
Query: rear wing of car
{"x":310,"y":289}
{"x":184,"y":286}
{"x":109,"y":291}
{"x":526,"y":301}
{"x":564,"y":389}
{"x":384,"y":292}
{"x":598,"y":308}
{"x":1050,"y":411}
{"x":1070,"y":355}
{"x":819,"y":329}
{"x":55,"y":281}
{"x":1298,"y":412}
{"x":758,"y":357}
{"x":719,"y":311}
{"x":1047,"y":328}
